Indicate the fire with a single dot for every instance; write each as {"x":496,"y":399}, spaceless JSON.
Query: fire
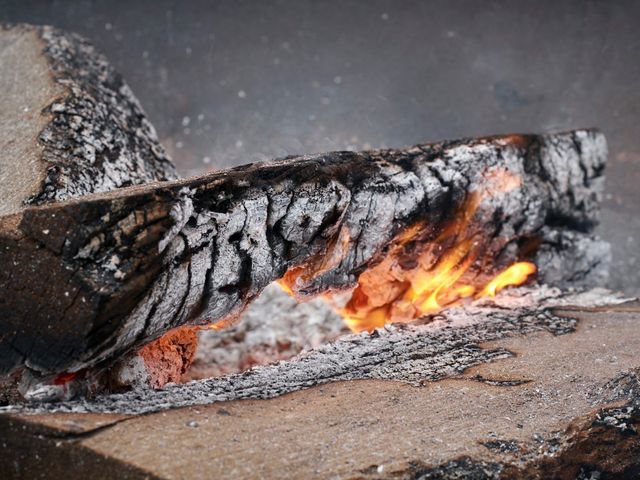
{"x":435,"y":294}
{"x":220,"y":324}
{"x":426,"y":268}
{"x":441,"y":275}
{"x":514,"y":275}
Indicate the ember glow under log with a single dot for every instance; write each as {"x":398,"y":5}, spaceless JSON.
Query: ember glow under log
{"x":99,"y":268}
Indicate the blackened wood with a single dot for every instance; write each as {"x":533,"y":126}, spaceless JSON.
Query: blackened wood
{"x":86,"y":281}
{"x":69,"y":126}
{"x":121,"y":268}
{"x":437,"y":347}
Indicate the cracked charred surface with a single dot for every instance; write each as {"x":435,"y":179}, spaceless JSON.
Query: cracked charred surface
{"x":127,"y":266}
{"x":558,"y":406}
{"x":69,"y":126}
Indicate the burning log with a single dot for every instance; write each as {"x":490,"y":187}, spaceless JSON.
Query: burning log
{"x":126,"y":266}
{"x":105,"y":253}
{"x":87,"y":277}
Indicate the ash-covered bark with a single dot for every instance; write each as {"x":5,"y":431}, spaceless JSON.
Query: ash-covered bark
{"x":412,"y":354}
{"x":99,"y":138}
{"x":127,"y":266}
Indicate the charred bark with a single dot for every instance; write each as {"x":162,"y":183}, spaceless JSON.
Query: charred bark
{"x":124,"y":267}
{"x":441,"y":346}
{"x":70,"y":125}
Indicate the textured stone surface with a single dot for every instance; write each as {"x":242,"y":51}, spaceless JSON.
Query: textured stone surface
{"x":554,"y":406}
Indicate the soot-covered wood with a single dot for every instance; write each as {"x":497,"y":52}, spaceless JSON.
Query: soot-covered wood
{"x":89,"y":279}
{"x":69,"y":126}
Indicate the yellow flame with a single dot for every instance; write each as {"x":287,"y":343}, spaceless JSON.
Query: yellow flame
{"x":429,"y":287}
{"x":516,"y":274}
{"x":421,"y":274}
{"x":220,"y":324}
{"x":283,"y":285}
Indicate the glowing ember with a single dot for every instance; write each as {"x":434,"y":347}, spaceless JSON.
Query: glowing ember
{"x":220,"y":324}
{"x":65,"y":378}
{"x":425,"y":268}
{"x":442,"y":272}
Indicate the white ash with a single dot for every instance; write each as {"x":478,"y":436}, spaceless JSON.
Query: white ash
{"x":552,"y":297}
{"x":274,"y":327}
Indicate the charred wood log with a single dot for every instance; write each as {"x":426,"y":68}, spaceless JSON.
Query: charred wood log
{"x":69,"y":124}
{"x":87,"y":279}
{"x":124,"y":267}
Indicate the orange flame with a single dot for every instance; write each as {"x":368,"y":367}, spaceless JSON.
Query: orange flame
{"x":424,"y":271}
{"x":220,"y":324}
{"x":516,"y":274}
{"x":389,"y":292}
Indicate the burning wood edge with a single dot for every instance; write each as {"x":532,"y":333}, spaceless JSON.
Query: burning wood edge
{"x":443,"y":346}
{"x":87,"y":278}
